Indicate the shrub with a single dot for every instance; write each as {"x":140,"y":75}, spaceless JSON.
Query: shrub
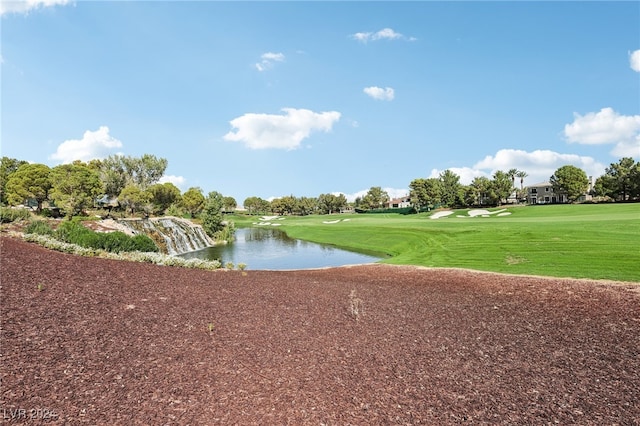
{"x":143,"y":243}
{"x":8,"y":215}
{"x":116,"y":242}
{"x":39,"y":227}
{"x":175,"y":210}
{"x":227,"y":233}
{"x":72,"y":232}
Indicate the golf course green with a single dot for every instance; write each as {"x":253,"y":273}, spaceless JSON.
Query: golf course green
{"x":597,"y":241}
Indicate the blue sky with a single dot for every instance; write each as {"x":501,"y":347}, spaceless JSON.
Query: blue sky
{"x":276,"y":98}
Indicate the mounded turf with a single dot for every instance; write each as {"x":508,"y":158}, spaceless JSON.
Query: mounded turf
{"x":598,"y":241}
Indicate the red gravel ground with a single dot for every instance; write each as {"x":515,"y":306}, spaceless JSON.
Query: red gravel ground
{"x":104,"y":342}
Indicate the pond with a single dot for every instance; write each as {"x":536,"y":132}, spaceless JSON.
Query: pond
{"x":269,"y":248}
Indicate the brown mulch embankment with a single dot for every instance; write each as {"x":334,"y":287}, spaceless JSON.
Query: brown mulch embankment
{"x":104,"y":342}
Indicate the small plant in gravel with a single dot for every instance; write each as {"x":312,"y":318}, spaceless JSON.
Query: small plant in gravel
{"x":40,"y":287}
{"x":229,"y":265}
{"x":210,"y":327}
{"x":242,"y":266}
{"x":356,"y":308}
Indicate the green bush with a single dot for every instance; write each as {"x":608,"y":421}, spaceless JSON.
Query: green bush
{"x":8,"y":215}
{"x":143,"y":243}
{"x":39,"y":227}
{"x":175,"y":210}
{"x":116,"y":242}
{"x":72,"y":232}
{"x":227,"y":233}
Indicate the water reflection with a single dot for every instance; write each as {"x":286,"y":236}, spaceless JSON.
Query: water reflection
{"x":269,"y":248}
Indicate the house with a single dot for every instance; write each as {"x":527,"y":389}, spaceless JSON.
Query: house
{"x":399,"y":203}
{"x":106,"y":202}
{"x":542,"y":193}
{"x":512,"y":198}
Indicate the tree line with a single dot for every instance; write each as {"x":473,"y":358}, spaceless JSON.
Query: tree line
{"x":621,"y":182}
{"x":127,"y":184}
{"x":131,"y":184}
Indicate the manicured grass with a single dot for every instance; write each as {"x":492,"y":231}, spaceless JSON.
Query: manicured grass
{"x":582,"y":241}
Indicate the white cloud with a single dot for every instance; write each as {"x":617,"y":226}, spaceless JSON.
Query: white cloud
{"x":352,"y":197}
{"x":386,"y":94}
{"x":634,"y":60}
{"x":98,"y":144}
{"x":363,"y":37}
{"x":467,"y":174}
{"x":267,"y":60}
{"x":393,"y":193}
{"x":606,"y":127}
{"x":396,"y":192}
{"x":178,"y":181}
{"x":539,"y":165}
{"x":261,"y":131}
{"x":383,"y":34}
{"x":25,"y":6}
{"x":386,"y":33}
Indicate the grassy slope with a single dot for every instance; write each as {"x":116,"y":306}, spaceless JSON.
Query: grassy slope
{"x":583,"y":241}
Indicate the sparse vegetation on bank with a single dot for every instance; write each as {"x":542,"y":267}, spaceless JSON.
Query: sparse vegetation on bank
{"x":75,"y":233}
{"x":133,"y":256}
{"x":9,"y":215}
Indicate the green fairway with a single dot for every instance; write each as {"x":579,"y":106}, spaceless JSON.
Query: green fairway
{"x":582,"y":241}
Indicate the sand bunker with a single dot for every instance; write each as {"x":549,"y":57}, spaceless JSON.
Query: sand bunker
{"x":336,"y":221}
{"x":471,"y":213}
{"x":267,"y":221}
{"x":438,"y":215}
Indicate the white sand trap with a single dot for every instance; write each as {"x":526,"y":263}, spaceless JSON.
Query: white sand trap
{"x":331,"y":221}
{"x":276,"y":224}
{"x":478,"y":212}
{"x":346,"y":220}
{"x":471,"y":213}
{"x":438,"y":215}
{"x":268,"y":218}
{"x":483,"y":213}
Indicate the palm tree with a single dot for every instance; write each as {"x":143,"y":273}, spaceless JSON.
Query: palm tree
{"x":521,"y":174}
{"x":512,"y":174}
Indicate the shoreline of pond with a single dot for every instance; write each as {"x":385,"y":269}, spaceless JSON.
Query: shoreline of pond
{"x":273,"y":249}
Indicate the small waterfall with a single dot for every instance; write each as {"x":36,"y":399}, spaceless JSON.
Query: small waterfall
{"x":173,"y":235}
